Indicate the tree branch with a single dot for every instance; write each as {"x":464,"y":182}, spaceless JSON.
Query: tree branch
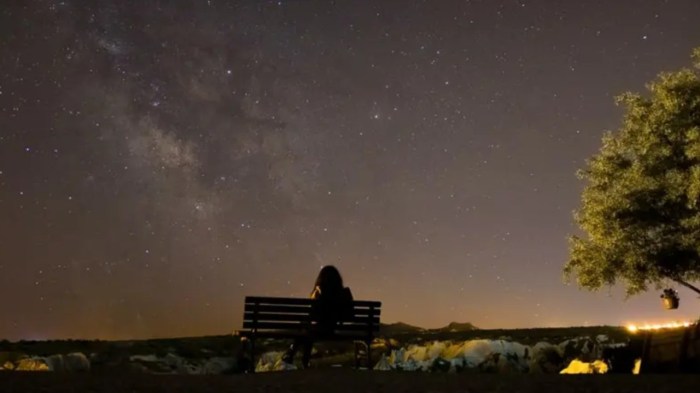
{"x":687,"y":285}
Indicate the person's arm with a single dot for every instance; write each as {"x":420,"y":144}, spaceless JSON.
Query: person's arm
{"x":315,"y":293}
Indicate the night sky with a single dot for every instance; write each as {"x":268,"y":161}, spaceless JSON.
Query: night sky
{"x":161,"y":160}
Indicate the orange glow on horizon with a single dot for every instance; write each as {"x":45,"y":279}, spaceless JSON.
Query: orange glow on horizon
{"x":658,"y":326}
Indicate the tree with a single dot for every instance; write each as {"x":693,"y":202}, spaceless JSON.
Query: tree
{"x":641,"y":204}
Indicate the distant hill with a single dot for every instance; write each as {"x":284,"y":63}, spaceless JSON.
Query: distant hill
{"x":404,"y":328}
{"x":399,"y":328}
{"x":454,"y":327}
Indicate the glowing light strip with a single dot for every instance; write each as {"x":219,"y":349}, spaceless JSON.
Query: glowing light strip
{"x":658,"y":326}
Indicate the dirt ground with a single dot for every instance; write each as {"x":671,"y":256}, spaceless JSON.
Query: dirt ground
{"x":345,"y":380}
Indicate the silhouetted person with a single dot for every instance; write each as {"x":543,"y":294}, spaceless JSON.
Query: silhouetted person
{"x":333,"y":305}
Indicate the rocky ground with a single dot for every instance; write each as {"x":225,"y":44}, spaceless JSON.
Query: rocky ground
{"x":447,"y":350}
{"x":345,"y":381}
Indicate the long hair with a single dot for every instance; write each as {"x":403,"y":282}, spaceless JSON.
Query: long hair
{"x":329,"y":279}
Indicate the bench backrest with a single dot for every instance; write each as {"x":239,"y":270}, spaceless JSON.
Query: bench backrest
{"x":278,"y":313}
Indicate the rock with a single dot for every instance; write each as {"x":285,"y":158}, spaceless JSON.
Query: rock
{"x":174,"y":364}
{"x":474,"y":352}
{"x":143,"y":358}
{"x":179,"y":365}
{"x":480,"y":353}
{"x":218,"y":365}
{"x":272,"y":361}
{"x":545,"y":358}
{"x":582,"y":348}
{"x":578,"y":367}
{"x":7,"y":366}
{"x":498,"y":356}
{"x":56,"y":363}
{"x":456,"y":365}
{"x":637,"y":366}
{"x":440,"y":365}
{"x":32,"y":364}
{"x":410,"y":364}
{"x":435,"y":350}
{"x":384,"y":344}
{"x":139,"y":368}
{"x":76,"y":362}
{"x":383,"y":364}
{"x":501,"y":363}
{"x":418,"y":357}
{"x":397,"y":357}
{"x":153,"y":364}
{"x":485,"y":355}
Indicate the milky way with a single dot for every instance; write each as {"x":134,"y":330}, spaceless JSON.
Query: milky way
{"x":161,"y":160}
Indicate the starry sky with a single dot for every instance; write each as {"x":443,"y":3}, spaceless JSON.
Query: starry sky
{"x":161,"y":160}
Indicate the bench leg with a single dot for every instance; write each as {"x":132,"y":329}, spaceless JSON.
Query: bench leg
{"x":358,"y":352}
{"x":363,"y":353}
{"x":368,"y":343}
{"x":251,"y":368}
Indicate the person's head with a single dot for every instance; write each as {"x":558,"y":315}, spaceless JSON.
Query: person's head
{"x":329,"y":278}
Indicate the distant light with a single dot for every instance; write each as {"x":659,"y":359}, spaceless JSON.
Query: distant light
{"x":657,"y":326}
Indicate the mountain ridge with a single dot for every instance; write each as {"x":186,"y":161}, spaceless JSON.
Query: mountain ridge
{"x":405,"y":328}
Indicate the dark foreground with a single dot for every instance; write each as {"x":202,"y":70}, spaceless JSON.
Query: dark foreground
{"x":342,"y":380}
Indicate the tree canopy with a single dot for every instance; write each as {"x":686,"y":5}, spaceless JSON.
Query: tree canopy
{"x":640,"y":207}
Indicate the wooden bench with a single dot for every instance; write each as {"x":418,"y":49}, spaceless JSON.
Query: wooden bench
{"x":291,"y":318}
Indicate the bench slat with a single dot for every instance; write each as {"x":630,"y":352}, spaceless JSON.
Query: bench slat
{"x":279,"y":309}
{"x":250,"y":316}
{"x":302,"y":301}
{"x":341,"y":336}
{"x":301,"y":310}
{"x":300,"y":326}
{"x":264,"y":308}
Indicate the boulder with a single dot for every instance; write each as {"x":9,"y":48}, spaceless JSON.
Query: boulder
{"x":545,"y":358}
{"x":32,"y":364}
{"x":383,"y":364}
{"x":76,"y":362}
{"x":272,"y":361}
{"x":218,"y":365}
{"x":440,"y":365}
{"x":174,"y":364}
{"x":484,"y":355}
{"x":56,"y":363}
{"x":578,"y":367}
{"x":154,"y":364}
{"x":582,"y":348}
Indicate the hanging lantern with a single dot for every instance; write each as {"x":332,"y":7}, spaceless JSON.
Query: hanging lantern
{"x":670,"y":299}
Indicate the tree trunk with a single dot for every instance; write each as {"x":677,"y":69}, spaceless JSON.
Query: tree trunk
{"x":687,"y":285}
